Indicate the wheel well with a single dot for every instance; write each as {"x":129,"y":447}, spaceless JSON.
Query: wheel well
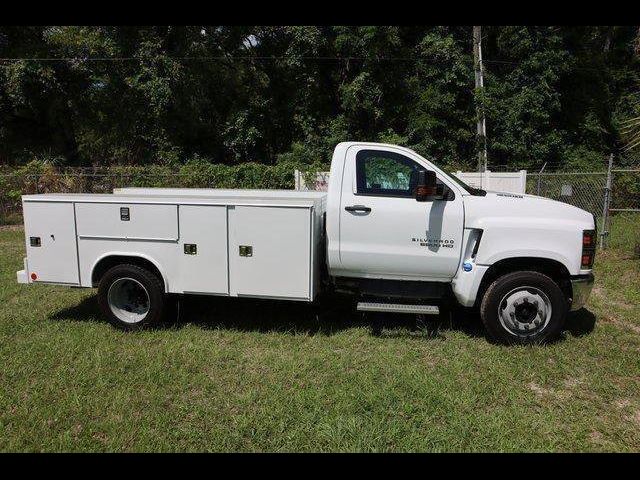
{"x":111,"y":261}
{"x":552,"y":268}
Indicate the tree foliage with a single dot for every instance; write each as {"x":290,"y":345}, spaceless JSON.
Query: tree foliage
{"x":166,"y":95}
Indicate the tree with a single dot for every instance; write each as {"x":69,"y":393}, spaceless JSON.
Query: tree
{"x":232,"y":94}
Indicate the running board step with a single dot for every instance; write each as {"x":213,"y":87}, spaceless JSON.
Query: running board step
{"x":398,"y":308}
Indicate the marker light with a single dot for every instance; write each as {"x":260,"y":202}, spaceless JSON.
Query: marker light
{"x":589,"y":239}
{"x":34,"y":276}
{"x":588,"y":249}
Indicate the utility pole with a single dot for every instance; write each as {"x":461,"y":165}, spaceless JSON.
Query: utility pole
{"x":482,"y":124}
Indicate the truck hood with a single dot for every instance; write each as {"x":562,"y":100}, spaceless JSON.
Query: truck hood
{"x":543,"y":212}
{"x":526,"y":226}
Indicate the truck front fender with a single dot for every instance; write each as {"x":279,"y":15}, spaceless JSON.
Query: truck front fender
{"x":468,"y":285}
{"x":529,"y":253}
{"x":465,"y":285}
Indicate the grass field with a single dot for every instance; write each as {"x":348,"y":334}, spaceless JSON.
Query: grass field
{"x":238,"y":375}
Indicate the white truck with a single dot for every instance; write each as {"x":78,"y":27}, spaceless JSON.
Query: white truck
{"x":394,"y":230}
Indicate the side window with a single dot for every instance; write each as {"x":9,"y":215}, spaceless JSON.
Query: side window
{"x":385,"y":174}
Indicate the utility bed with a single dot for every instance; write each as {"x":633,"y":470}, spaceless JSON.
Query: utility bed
{"x":257,"y":243}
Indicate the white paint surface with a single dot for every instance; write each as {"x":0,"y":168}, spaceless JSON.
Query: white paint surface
{"x":56,"y":259}
{"x":281,"y":260}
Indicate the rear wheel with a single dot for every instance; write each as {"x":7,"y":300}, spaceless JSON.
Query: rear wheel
{"x":523,"y":308}
{"x":131,"y":297}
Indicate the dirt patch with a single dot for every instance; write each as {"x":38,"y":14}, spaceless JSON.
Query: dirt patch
{"x":572,"y":382}
{"x":541,"y":391}
{"x":635,"y":418}
{"x":622,"y":403}
{"x":620,"y":304}
{"x":622,"y":324}
{"x":569,"y":385}
{"x":595,"y":437}
{"x":10,"y":228}
{"x":101,"y":437}
{"x":537,"y":389}
{"x":600,"y":293}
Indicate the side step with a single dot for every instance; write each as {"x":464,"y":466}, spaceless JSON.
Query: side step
{"x":398,"y":308}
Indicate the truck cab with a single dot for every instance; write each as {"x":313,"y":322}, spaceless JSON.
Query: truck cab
{"x":384,"y":241}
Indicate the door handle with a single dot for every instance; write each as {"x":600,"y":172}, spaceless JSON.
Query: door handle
{"x":357,"y":208}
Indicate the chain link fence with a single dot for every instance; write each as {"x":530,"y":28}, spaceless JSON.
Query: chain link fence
{"x":48,"y":178}
{"x":612,"y":196}
{"x":15,"y":184}
{"x":583,"y":190}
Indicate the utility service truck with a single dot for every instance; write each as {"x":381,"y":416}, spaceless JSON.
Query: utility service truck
{"x":393,"y":230}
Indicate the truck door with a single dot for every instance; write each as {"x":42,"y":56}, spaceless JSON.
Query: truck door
{"x":384,"y":231}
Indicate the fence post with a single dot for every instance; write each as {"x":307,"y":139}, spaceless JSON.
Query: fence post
{"x":486,"y":175}
{"x":523,"y":181}
{"x":540,"y":177}
{"x":605,"y":207}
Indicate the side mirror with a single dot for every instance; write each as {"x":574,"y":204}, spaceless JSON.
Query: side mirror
{"x":426,"y":187}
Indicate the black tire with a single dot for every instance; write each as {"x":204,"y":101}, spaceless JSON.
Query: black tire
{"x":494,"y":308}
{"x":154,"y":293}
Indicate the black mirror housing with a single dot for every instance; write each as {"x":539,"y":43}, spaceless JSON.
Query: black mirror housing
{"x":426,"y":187}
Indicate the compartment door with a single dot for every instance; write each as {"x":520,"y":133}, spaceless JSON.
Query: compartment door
{"x":270,"y":251}
{"x":56,"y":259}
{"x":121,"y":221}
{"x":203,"y":250}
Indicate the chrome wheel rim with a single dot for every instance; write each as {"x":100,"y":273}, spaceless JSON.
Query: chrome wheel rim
{"x":128,"y":300}
{"x":525,"y":311}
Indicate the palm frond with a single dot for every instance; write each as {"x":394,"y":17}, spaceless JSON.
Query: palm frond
{"x":630,"y":131}
{"x":631,"y":145}
{"x":632,"y":141}
{"x":631,"y":122}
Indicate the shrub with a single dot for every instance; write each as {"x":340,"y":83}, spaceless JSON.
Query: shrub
{"x":44,"y":177}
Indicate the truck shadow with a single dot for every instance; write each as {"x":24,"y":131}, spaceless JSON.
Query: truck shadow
{"x":331,"y":315}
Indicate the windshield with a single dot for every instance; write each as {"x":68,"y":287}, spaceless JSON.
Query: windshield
{"x":478,"y":192}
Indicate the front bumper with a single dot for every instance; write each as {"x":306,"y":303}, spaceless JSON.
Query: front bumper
{"x":581,"y":286}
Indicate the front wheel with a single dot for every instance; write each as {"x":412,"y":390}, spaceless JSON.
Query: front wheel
{"x":523,"y":308}
{"x":131,"y":297}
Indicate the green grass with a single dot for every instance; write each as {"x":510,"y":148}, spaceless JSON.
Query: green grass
{"x":624,"y":231}
{"x":240,"y":375}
